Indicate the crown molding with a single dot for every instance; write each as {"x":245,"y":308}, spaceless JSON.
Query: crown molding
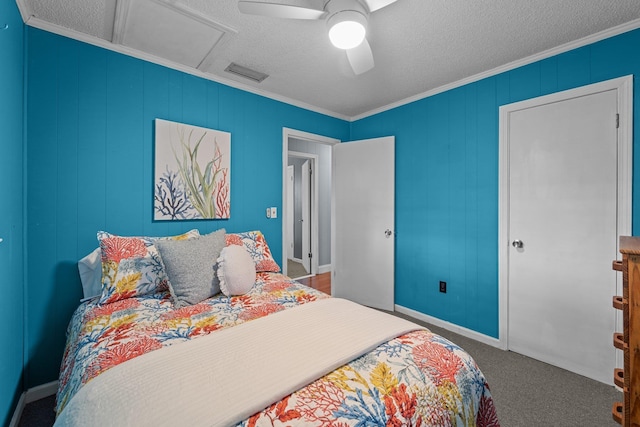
{"x":34,"y":22}
{"x":602,"y":35}
{"x":26,"y":11}
{"x":29,"y":19}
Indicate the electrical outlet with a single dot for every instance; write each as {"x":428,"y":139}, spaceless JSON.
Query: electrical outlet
{"x":443,"y":287}
{"x":268,"y":212}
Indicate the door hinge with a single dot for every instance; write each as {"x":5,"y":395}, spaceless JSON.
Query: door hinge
{"x":617,"y":121}
{"x":310,"y":255}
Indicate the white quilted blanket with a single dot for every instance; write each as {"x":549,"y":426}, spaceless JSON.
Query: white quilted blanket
{"x":225,"y":377}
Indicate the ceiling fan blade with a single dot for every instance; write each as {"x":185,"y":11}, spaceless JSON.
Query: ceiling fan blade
{"x":277,"y":10}
{"x":361,"y":58}
{"x":374,"y":5}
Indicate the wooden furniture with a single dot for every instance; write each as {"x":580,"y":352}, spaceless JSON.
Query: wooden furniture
{"x":627,"y":412}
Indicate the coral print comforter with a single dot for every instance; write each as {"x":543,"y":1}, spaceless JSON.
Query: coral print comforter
{"x":415,"y":379}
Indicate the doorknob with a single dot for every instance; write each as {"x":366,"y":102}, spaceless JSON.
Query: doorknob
{"x":517,"y":244}
{"x":388,"y":232}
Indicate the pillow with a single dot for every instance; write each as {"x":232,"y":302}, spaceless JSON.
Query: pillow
{"x":131,"y":266}
{"x":149,"y":239}
{"x":236,"y":271}
{"x":90,"y":269}
{"x":191,"y":267}
{"x":255,"y":243}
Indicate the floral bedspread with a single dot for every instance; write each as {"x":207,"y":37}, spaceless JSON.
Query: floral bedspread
{"x":418,"y":379}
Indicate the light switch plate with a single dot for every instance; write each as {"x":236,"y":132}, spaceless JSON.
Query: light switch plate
{"x":274,"y":212}
{"x":268,"y":212}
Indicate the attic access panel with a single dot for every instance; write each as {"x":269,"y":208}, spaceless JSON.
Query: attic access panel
{"x":169,"y":31}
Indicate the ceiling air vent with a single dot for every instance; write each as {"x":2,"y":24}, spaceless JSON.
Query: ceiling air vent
{"x":245,"y":72}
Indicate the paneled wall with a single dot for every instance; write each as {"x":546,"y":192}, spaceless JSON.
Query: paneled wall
{"x":89,"y":156}
{"x":90,"y":118}
{"x":447,"y":178}
{"x":11,"y":209}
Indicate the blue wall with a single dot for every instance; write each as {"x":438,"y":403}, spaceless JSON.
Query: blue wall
{"x":447,"y":178}
{"x":11,"y":208}
{"x":89,"y":153}
{"x":90,"y":117}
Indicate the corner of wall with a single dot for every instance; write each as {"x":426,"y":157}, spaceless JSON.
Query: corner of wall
{"x":12,"y":310}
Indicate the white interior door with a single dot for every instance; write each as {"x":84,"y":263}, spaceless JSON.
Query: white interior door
{"x":305,"y":195}
{"x":363,"y":191}
{"x":563,"y":232}
{"x":289,"y":214}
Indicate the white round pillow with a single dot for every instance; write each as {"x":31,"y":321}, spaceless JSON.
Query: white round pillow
{"x":236,"y":270}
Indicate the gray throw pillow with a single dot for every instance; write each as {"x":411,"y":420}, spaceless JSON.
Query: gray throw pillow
{"x":191,"y":267}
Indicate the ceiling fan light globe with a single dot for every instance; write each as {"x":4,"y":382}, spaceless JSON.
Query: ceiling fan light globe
{"x":347,"y":35}
{"x":347,"y":29}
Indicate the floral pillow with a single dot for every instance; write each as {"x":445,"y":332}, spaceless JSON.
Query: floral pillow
{"x":255,"y":243}
{"x":131,"y":266}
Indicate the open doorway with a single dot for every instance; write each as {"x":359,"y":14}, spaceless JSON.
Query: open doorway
{"x":310,"y":229}
{"x":301,"y":213}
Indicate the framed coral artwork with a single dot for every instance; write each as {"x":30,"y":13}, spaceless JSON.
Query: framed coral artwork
{"x":192,"y":178}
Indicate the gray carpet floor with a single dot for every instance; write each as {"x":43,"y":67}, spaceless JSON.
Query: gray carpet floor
{"x":526,"y":392}
{"x":530,"y":393}
{"x":39,"y":413}
{"x":295,"y":269}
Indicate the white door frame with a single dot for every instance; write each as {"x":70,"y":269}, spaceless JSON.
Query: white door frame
{"x":307,"y":191}
{"x":313,"y":210}
{"x":320,"y":139}
{"x":288,"y":243}
{"x":624,"y":87}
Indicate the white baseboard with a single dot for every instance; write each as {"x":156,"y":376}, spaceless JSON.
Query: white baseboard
{"x":41,"y":391}
{"x":31,"y":395}
{"x":321,"y":268}
{"x":15,"y":420}
{"x":477,"y":336}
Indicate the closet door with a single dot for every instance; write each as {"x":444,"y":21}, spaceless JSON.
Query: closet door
{"x":563,"y":232}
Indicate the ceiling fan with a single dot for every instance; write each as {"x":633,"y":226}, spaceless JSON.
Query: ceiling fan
{"x":347,"y":21}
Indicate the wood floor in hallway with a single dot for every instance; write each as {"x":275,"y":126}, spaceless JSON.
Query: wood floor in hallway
{"x":321,"y":282}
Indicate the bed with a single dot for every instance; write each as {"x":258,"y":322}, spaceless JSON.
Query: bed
{"x":261,"y":349}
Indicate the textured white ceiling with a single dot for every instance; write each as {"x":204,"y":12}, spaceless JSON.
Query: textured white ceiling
{"x":418,"y":45}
